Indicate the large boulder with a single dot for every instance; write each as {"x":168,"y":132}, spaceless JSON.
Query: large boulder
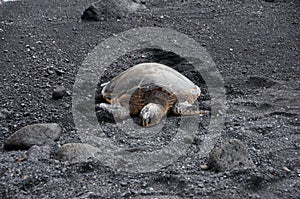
{"x":232,"y":154}
{"x":35,"y":134}
{"x":77,"y":152}
{"x":111,"y":8}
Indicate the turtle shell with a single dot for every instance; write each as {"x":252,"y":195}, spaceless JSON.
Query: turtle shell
{"x":150,"y":82}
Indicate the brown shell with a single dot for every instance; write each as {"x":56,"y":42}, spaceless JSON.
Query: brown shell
{"x":144,"y":95}
{"x":150,"y":82}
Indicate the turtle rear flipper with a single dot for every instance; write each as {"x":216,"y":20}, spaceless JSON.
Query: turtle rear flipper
{"x":119,"y":112}
{"x":185,"y":108}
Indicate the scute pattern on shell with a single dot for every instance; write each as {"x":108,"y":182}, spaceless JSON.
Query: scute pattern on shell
{"x":147,"y":94}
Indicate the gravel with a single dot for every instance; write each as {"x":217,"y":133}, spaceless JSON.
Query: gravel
{"x":255,"y":46}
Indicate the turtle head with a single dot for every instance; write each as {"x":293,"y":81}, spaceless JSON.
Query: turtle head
{"x":151,"y":114}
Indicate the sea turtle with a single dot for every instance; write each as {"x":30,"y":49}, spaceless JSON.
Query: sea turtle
{"x":150,"y":90}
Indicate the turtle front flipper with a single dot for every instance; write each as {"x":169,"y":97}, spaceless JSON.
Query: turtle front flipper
{"x":185,"y":108}
{"x":151,"y":114}
{"x":119,"y":112}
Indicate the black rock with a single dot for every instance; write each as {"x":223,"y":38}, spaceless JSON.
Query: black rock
{"x":59,"y":72}
{"x":112,"y":8}
{"x":91,"y":14}
{"x":260,"y":82}
{"x":230,"y":155}
{"x":4,"y":113}
{"x":59,"y":92}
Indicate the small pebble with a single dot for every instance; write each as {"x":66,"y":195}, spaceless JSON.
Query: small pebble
{"x":59,"y":72}
{"x":286,"y":169}
{"x":204,"y":167}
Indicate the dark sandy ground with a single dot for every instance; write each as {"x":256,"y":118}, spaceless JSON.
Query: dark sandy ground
{"x":255,"y":45}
